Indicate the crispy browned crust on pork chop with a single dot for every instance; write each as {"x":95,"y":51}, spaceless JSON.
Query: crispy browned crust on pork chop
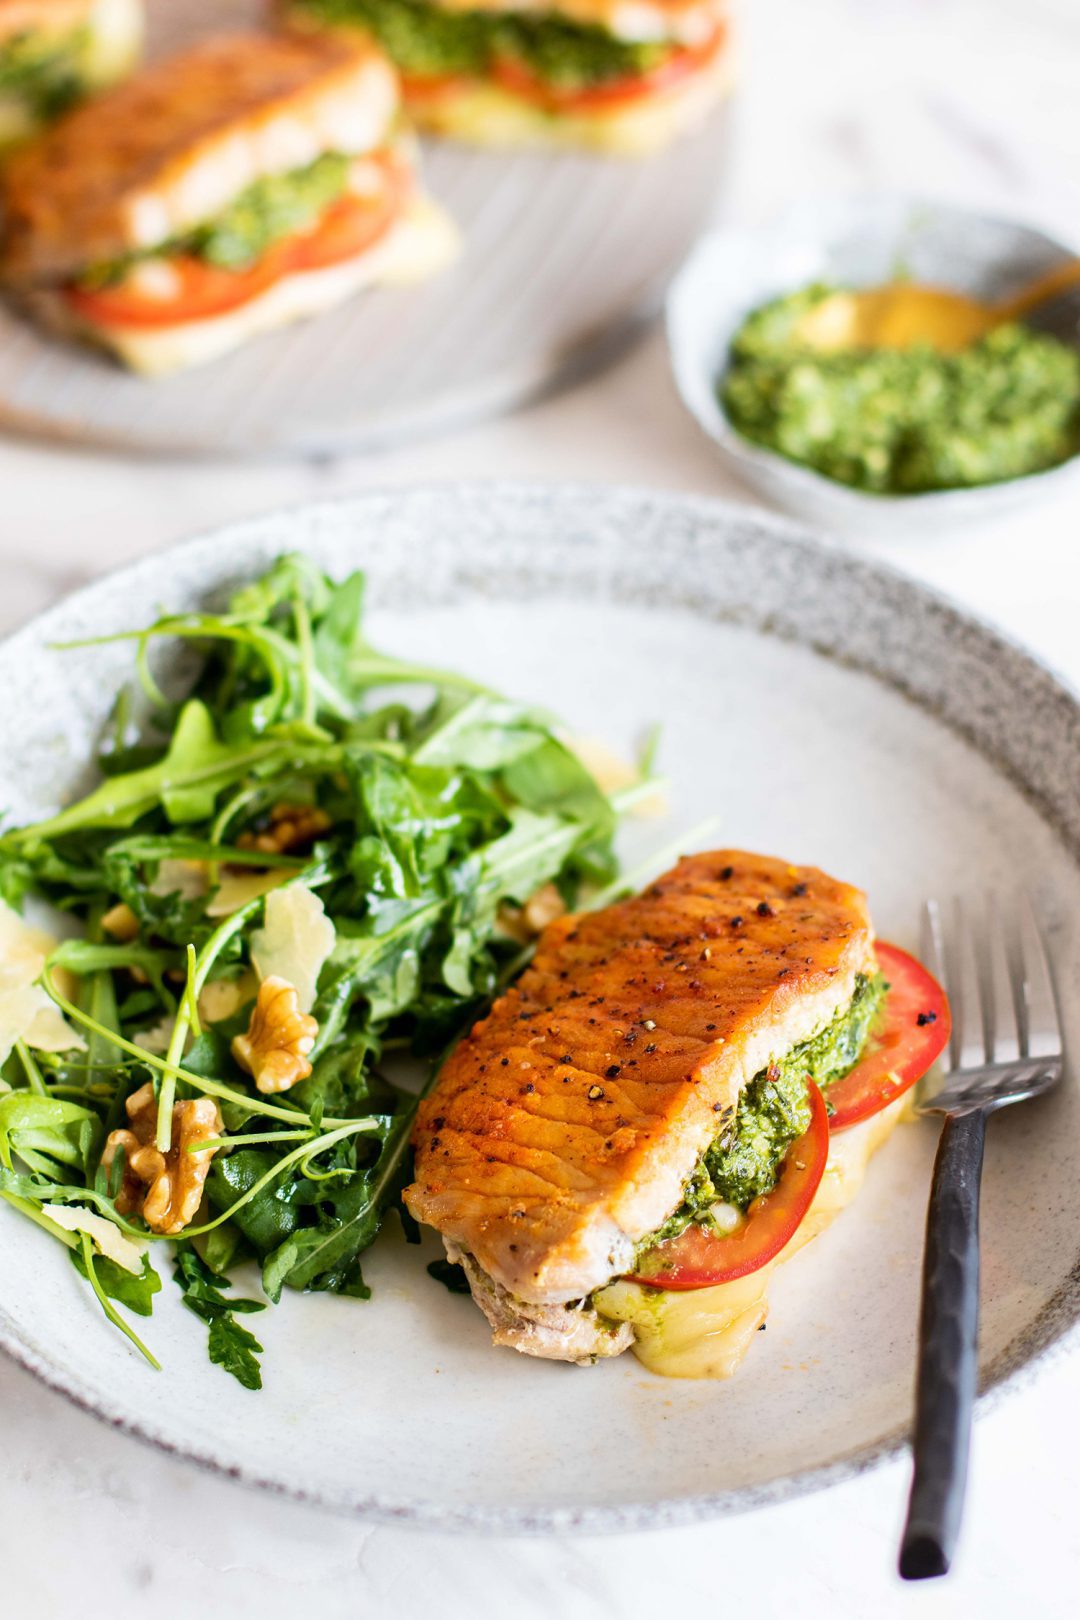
{"x":173,"y":145}
{"x":563,"y":1128}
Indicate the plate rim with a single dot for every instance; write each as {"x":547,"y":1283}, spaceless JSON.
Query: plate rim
{"x":998,"y":1381}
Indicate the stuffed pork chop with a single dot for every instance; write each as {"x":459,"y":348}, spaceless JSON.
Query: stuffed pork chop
{"x":250,"y":182}
{"x":678,"y":1091}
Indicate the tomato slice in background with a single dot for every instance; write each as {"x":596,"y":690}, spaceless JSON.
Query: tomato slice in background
{"x":353,"y":224}
{"x":202,"y":291}
{"x":348,"y":228}
{"x":700,"y":1259}
{"x":514,"y":76}
{"x":914,"y":1030}
{"x":429,"y":86}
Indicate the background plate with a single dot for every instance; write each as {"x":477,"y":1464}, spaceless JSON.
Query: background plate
{"x":820,"y":708}
{"x":563,"y":256}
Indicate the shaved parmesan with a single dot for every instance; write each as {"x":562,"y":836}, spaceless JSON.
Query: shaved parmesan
{"x":23,"y":949}
{"x":48,"y":1029}
{"x":222,"y":997}
{"x":185,"y":878}
{"x":108,"y":1238}
{"x":237,"y":888}
{"x":155,"y":1040}
{"x":295,"y":940}
{"x":26,"y":1012}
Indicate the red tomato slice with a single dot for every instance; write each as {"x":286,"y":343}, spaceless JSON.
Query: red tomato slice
{"x":517,"y":78}
{"x":429,"y":86}
{"x":700,"y":1259}
{"x":203,"y":291}
{"x":679,"y":65}
{"x":348,"y":227}
{"x":915,"y":1028}
{"x":353,"y":224}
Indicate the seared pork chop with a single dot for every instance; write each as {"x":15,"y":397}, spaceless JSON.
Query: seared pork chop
{"x":177,"y":144}
{"x":563,"y":1129}
{"x":575,"y":1332}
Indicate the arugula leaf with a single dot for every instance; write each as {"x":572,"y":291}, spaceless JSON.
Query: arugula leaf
{"x":432,"y":803}
{"x":230,"y":1345}
{"x":185,"y":781}
{"x":235,"y":1348}
{"x":47,"y":1133}
{"x":325,"y":1256}
{"x":480,"y":733}
{"x":90,"y":1272}
{"x":272,"y":1215}
{"x":136,"y":1292}
{"x":340,"y":633}
{"x":98,"y":997}
{"x":221,"y":1247}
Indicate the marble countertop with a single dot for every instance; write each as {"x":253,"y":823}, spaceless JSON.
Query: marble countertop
{"x":970,"y":99}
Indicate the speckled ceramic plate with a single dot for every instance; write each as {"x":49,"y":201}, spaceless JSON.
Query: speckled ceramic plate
{"x":819,"y":707}
{"x":564,"y":256}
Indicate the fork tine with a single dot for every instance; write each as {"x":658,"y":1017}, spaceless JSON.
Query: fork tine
{"x":969,"y":1029}
{"x":1042,"y":1028}
{"x":933,"y":957}
{"x":1006,"y":1034}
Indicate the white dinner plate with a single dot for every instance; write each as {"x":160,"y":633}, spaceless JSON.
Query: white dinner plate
{"x":820,"y":708}
{"x":564,"y":256}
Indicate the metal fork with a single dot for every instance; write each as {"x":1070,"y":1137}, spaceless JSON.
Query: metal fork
{"x":1006,"y":1046}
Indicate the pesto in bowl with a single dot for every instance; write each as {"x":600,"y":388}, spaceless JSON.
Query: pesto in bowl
{"x":903,"y":421}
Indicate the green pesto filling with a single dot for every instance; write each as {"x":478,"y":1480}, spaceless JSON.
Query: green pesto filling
{"x":903,"y":421}
{"x":271,"y":209}
{"x":43,"y":71}
{"x":773,"y":1111}
{"x":426,"y":40}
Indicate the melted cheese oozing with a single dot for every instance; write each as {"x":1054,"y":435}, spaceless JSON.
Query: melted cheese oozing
{"x":706,"y":1332}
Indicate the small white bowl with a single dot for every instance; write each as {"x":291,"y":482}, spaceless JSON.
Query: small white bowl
{"x":860,"y":241}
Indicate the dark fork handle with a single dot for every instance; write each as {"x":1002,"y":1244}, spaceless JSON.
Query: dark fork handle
{"x":948,"y":1350}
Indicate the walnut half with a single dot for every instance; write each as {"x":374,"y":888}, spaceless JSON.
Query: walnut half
{"x":164,"y":1188}
{"x":292,"y":827}
{"x":120,"y":922}
{"x":525,"y":923}
{"x":279,"y":1038}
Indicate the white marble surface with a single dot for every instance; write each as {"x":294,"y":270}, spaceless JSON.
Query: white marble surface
{"x":973,"y":99}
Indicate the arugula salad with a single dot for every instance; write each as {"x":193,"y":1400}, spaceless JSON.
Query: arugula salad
{"x":318,"y":861}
